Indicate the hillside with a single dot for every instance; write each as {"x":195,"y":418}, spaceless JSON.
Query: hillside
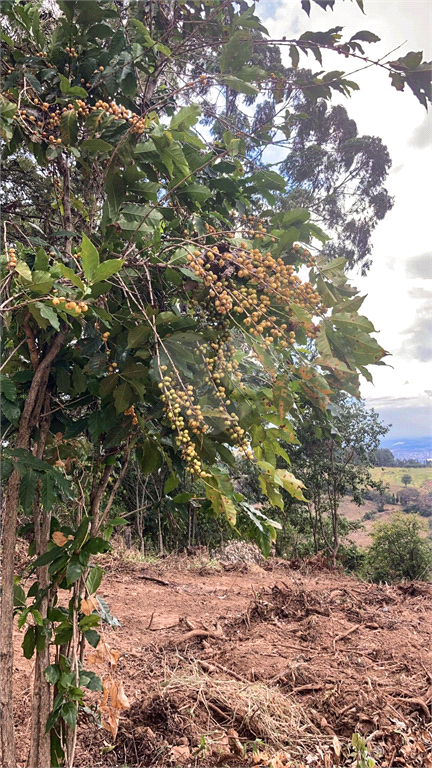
{"x":256,"y":663}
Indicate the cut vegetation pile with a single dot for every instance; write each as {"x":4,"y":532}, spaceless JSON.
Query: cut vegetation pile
{"x":275,"y":668}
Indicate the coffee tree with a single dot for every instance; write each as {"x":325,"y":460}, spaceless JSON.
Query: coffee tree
{"x":159,"y":307}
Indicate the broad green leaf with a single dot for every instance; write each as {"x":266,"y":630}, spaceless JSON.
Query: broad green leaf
{"x":65,"y":85}
{"x":92,"y":638}
{"x":52,"y":673}
{"x":96,"y":145}
{"x":48,"y":495}
{"x":123,"y":397}
{"x":24,"y":270}
{"x":27,"y":490}
{"x":69,"y":712}
{"x":7,"y":387}
{"x":185,"y":117}
{"x":106,"y":269}
{"x":49,"y":314}
{"x":199,"y":193}
{"x":29,"y":642}
{"x":138,"y":336}
{"x":89,"y":257}
{"x":96,"y":545}
{"x":94,"y":579}
{"x":171,"y":483}
{"x":74,"y":570}
{"x":69,"y":127}
{"x":365,"y":36}
{"x":240,"y":85}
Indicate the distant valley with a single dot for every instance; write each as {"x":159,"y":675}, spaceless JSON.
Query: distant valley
{"x":419,"y":448}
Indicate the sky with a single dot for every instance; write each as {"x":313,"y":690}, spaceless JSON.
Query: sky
{"x":399,"y":283}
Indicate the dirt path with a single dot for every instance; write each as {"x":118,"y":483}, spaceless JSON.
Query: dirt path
{"x":213,"y":663}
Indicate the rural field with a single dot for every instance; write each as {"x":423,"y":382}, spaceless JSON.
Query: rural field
{"x":241,"y":662}
{"x":421,"y":476}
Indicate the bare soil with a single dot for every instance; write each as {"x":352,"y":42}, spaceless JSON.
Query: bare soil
{"x":273,"y":665}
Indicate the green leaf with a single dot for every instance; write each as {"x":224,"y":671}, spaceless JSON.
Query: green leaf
{"x":173,"y":155}
{"x":123,"y":397}
{"x":70,"y":275}
{"x":29,"y":642}
{"x":52,"y":674}
{"x":138,"y":336}
{"x":74,"y":570}
{"x":65,"y":85}
{"x":185,"y":117}
{"x":96,"y":545}
{"x":240,"y":85}
{"x":7,"y":387}
{"x":367,"y":37}
{"x":198,"y":193}
{"x":89,"y":621}
{"x":183,"y":498}
{"x":24,"y":270}
{"x":63,"y":633}
{"x":89,"y":257}
{"x":96,"y":145}
{"x":94,"y":579}
{"x":27,"y":490}
{"x":69,"y":127}
{"x":171,"y":483}
{"x":69,"y":713}
{"x":49,"y":314}
{"x":294,"y":56}
{"x":106,"y":269}
{"x":48,"y":494}
{"x":92,"y":637}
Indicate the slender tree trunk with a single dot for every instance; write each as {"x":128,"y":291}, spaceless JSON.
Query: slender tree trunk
{"x":40,"y":749}
{"x":29,"y":419}
{"x":6,"y":639}
{"x":161,"y":544}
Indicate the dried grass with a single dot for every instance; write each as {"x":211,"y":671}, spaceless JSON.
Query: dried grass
{"x":254,"y":709}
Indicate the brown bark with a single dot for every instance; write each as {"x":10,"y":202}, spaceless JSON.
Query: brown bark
{"x":39,"y":753}
{"x":29,"y":418}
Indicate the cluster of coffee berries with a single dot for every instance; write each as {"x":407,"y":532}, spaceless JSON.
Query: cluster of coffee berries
{"x":254,"y":286}
{"x":185,"y":417}
{"x":131,"y":412}
{"x":72,"y":52}
{"x":72,"y":306}
{"x":44,"y":119}
{"x":12,"y":258}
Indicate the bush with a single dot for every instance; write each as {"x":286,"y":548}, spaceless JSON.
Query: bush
{"x":399,"y":551}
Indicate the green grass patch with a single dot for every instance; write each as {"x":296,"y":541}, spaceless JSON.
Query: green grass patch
{"x":393,"y":475}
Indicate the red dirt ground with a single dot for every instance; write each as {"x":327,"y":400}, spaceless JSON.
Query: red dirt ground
{"x":299,"y":659}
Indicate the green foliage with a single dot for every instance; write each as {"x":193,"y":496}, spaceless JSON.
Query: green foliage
{"x":399,"y":551}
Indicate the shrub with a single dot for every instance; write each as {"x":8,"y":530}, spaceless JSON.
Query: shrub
{"x":399,"y":551}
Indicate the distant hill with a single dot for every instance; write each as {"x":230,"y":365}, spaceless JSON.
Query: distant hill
{"x":419,"y":448}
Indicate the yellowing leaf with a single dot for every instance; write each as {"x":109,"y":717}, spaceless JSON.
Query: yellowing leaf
{"x":290,"y":483}
{"x":88,"y":606}
{"x":59,"y":538}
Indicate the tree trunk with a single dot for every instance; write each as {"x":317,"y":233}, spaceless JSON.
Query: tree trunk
{"x":40,"y":748}
{"x":6,"y":639}
{"x":29,"y":419}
